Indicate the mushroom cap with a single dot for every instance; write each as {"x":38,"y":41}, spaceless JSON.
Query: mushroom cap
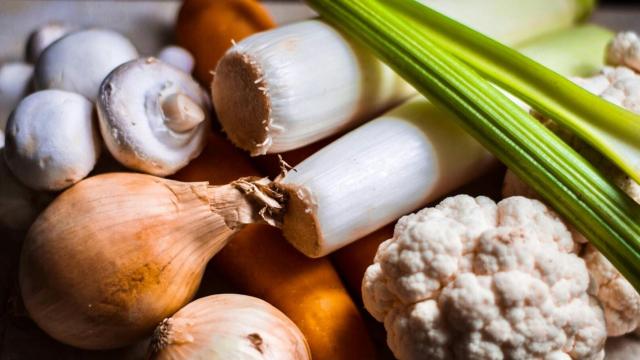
{"x":52,"y":141}
{"x":15,"y":83}
{"x":19,"y":205}
{"x":44,"y":36}
{"x":79,"y":61}
{"x":178,"y":57}
{"x":134,"y":124}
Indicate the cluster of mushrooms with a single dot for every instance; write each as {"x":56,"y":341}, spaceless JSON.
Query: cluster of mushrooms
{"x":80,"y":91}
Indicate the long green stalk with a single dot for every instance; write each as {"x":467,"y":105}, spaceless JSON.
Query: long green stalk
{"x":580,"y":193}
{"x":613,"y":130}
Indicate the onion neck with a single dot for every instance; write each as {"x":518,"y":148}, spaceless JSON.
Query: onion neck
{"x":248,"y":200}
{"x":170,"y":331}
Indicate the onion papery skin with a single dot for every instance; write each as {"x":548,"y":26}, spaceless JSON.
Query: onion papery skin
{"x":229,"y":326}
{"x":115,"y":254}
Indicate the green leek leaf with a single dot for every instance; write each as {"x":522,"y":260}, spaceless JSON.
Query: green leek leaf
{"x":612,"y":130}
{"x":575,"y":189}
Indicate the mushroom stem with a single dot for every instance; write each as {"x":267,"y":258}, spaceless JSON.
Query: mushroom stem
{"x":182,"y":113}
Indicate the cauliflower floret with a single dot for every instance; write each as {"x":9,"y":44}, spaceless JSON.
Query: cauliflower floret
{"x":623,"y":91}
{"x":621,"y":302}
{"x":624,"y":50}
{"x":618,"y":297}
{"x":618,"y":85}
{"x":472,"y":279}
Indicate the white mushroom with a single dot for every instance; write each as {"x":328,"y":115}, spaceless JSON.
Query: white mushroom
{"x":19,"y":205}
{"x":15,"y":83}
{"x":79,"y":61}
{"x":52,"y":141}
{"x":178,"y":57}
{"x":153,"y":117}
{"x":44,"y":36}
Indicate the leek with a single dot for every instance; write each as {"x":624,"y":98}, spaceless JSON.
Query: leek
{"x":612,"y":130}
{"x":272,"y":97}
{"x":404,"y":159}
{"x":579,"y":192}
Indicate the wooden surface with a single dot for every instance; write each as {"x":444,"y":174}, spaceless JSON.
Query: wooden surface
{"x":149,"y":25}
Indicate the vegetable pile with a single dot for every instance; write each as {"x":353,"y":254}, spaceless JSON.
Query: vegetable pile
{"x":134,"y":192}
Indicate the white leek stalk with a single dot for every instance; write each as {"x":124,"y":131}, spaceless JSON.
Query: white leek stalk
{"x":401,"y":161}
{"x":376,"y":173}
{"x":285,"y":88}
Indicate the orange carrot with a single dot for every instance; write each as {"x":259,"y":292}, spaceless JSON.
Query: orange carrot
{"x":353,"y":260}
{"x":259,"y":262}
{"x":271,"y":166}
{"x":207,"y":27}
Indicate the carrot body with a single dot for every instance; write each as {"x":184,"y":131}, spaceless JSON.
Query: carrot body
{"x":271,"y":166}
{"x":353,"y":260}
{"x":207,"y":28}
{"x":219,"y":163}
{"x":259,"y":262}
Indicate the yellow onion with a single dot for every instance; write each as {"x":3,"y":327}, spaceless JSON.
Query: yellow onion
{"x":229,"y":326}
{"x":117,"y":253}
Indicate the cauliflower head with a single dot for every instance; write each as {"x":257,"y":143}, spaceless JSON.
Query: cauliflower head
{"x":619,"y":299}
{"x":621,"y":86}
{"x":624,"y":50}
{"x":472,"y":279}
